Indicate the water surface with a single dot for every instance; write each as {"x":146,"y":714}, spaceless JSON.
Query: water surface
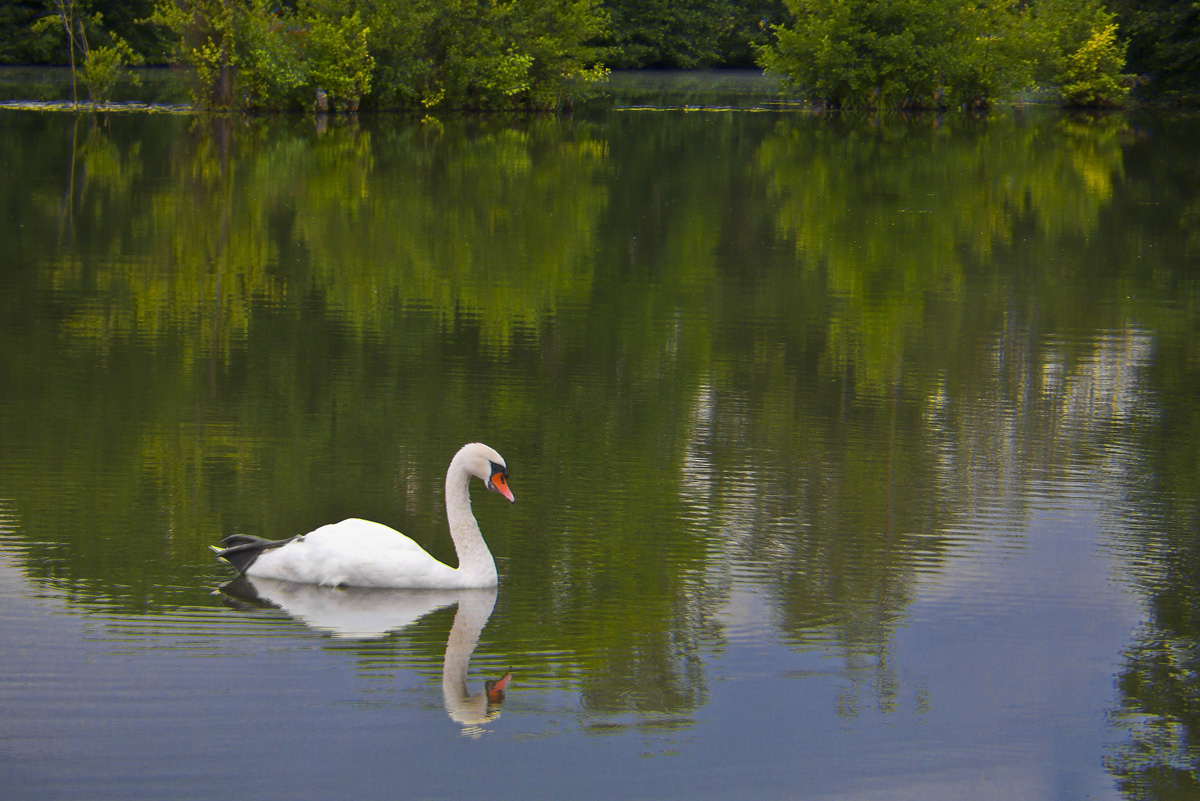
{"x":854,"y":457}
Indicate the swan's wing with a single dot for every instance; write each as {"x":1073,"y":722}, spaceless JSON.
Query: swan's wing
{"x":360,"y":536}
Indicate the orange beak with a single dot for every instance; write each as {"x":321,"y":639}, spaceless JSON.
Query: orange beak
{"x":495,"y":689}
{"x":499,"y":483}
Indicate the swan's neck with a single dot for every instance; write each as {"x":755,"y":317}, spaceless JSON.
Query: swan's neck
{"x":475,"y":563}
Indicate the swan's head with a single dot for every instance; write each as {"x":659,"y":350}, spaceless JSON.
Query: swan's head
{"x":488,"y":466}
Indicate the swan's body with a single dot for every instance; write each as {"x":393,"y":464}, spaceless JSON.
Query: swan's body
{"x":359,"y":553}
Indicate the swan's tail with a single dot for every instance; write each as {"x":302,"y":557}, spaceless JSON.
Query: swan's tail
{"x":240,"y":550}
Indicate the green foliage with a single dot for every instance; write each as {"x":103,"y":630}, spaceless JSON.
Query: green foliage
{"x":988,"y":50}
{"x":874,"y":53}
{"x":996,"y":59}
{"x":605,"y":273}
{"x":689,"y":34}
{"x":425,"y":54}
{"x":22,"y":41}
{"x":1164,"y":44}
{"x":661,"y":33}
{"x":1082,"y":57}
{"x":470,"y":54}
{"x":271,"y":70}
{"x":249,"y":54}
{"x":128,"y":20}
{"x":203,"y":33}
{"x":65,"y":16}
{"x":917,"y":54}
{"x":339,"y":60}
{"x":1092,"y":75}
{"x":104,"y":67}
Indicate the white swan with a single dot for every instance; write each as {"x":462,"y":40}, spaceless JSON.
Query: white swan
{"x":359,"y":553}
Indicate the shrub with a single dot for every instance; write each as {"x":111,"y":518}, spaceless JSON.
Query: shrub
{"x":204,"y":38}
{"x":251,"y":55}
{"x":945,"y":53}
{"x":1084,"y":58}
{"x":105,"y":67}
{"x":1092,"y":75}
{"x":339,"y":62}
{"x":484,"y":55}
{"x":892,"y":53}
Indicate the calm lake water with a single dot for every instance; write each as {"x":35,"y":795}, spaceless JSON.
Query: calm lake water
{"x":854,"y":457}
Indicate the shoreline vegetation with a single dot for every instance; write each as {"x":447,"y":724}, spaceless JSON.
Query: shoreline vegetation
{"x":430,"y":57}
{"x":163,"y":90}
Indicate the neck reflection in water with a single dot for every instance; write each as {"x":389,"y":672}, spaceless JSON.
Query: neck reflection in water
{"x":355,"y":613}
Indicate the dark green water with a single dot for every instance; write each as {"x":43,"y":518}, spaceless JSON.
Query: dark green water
{"x":854,"y":458}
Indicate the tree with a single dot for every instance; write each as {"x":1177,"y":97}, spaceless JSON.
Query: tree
{"x":749,"y":29}
{"x":339,"y":61}
{"x":1092,"y":73}
{"x":67,"y":15}
{"x":203,"y":39}
{"x":661,"y":33}
{"x":22,"y":41}
{"x":248,"y":54}
{"x":1164,"y":44}
{"x":105,"y":66}
{"x":945,"y":54}
{"x":894,"y":53}
{"x":689,"y":34}
{"x":1081,"y":57}
{"x":422,"y":54}
{"x":996,"y":60}
{"x":470,"y":54}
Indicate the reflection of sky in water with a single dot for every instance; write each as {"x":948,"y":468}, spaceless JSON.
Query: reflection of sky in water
{"x":989,"y":695}
{"x":995,"y":683}
{"x":981,"y":694}
{"x":983,"y":662}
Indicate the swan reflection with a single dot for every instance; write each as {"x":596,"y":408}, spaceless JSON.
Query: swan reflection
{"x":365,"y":614}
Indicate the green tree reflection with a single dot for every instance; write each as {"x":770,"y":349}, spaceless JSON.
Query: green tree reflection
{"x":886,"y":211}
{"x":778,"y":359}
{"x":1159,"y":717}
